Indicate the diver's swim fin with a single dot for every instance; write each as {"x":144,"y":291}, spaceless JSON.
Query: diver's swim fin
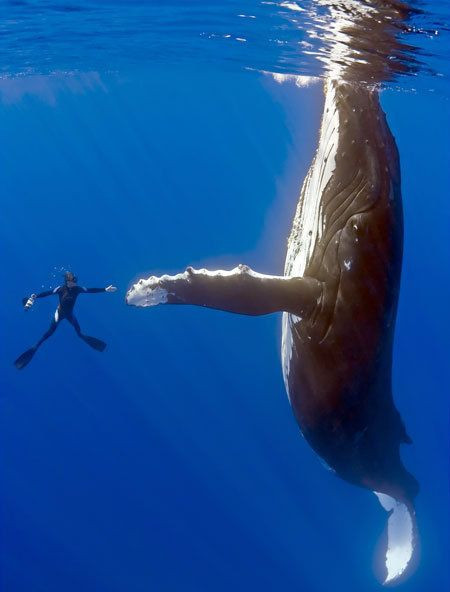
{"x":25,"y":358}
{"x":97,"y":344}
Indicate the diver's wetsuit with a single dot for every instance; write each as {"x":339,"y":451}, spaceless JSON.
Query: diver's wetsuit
{"x":68,"y":294}
{"x":67,"y":298}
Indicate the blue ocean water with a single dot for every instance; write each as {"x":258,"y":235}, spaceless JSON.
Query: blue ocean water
{"x":138,"y":138}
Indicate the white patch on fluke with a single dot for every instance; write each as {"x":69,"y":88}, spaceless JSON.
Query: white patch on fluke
{"x":400,"y":532}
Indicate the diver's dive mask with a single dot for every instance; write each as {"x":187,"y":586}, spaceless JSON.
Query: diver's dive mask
{"x":70,"y":277}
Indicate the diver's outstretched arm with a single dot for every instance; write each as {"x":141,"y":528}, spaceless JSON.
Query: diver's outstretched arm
{"x":240,"y":290}
{"x":28,"y":301}
{"x":46,"y":293}
{"x":97,"y":290}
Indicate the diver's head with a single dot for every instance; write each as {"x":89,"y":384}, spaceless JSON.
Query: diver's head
{"x":70,"y":279}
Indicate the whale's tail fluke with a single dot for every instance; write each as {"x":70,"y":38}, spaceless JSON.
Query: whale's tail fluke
{"x":402,"y":540}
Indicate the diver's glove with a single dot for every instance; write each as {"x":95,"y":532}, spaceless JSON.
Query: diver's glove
{"x":111,"y":289}
{"x":28,"y":302}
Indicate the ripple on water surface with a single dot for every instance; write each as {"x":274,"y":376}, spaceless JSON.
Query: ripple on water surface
{"x":306,"y":38}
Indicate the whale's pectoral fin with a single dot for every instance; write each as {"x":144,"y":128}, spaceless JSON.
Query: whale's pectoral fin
{"x":401,"y":538}
{"x":240,"y":290}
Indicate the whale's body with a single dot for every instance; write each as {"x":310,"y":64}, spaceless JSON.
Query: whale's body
{"x":341,"y":281}
{"x":347,"y":234}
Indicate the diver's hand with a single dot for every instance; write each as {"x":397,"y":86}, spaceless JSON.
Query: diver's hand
{"x":29,"y":301}
{"x":111,"y":289}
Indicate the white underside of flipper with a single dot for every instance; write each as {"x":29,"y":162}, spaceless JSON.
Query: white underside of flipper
{"x":400,"y":537}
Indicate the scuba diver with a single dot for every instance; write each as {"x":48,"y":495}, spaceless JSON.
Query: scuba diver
{"x":68,"y":294}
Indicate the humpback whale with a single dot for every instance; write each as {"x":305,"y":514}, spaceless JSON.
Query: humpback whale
{"x":339,"y":291}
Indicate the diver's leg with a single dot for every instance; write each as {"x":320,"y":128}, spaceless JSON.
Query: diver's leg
{"x":53,"y":326}
{"x":26,"y":357}
{"x":240,"y":290}
{"x":95,"y":343}
{"x":75,"y":324}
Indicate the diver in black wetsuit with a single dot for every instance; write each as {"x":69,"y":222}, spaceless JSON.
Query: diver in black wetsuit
{"x":68,"y":294}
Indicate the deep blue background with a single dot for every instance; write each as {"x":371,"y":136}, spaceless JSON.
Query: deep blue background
{"x":172,"y":461}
